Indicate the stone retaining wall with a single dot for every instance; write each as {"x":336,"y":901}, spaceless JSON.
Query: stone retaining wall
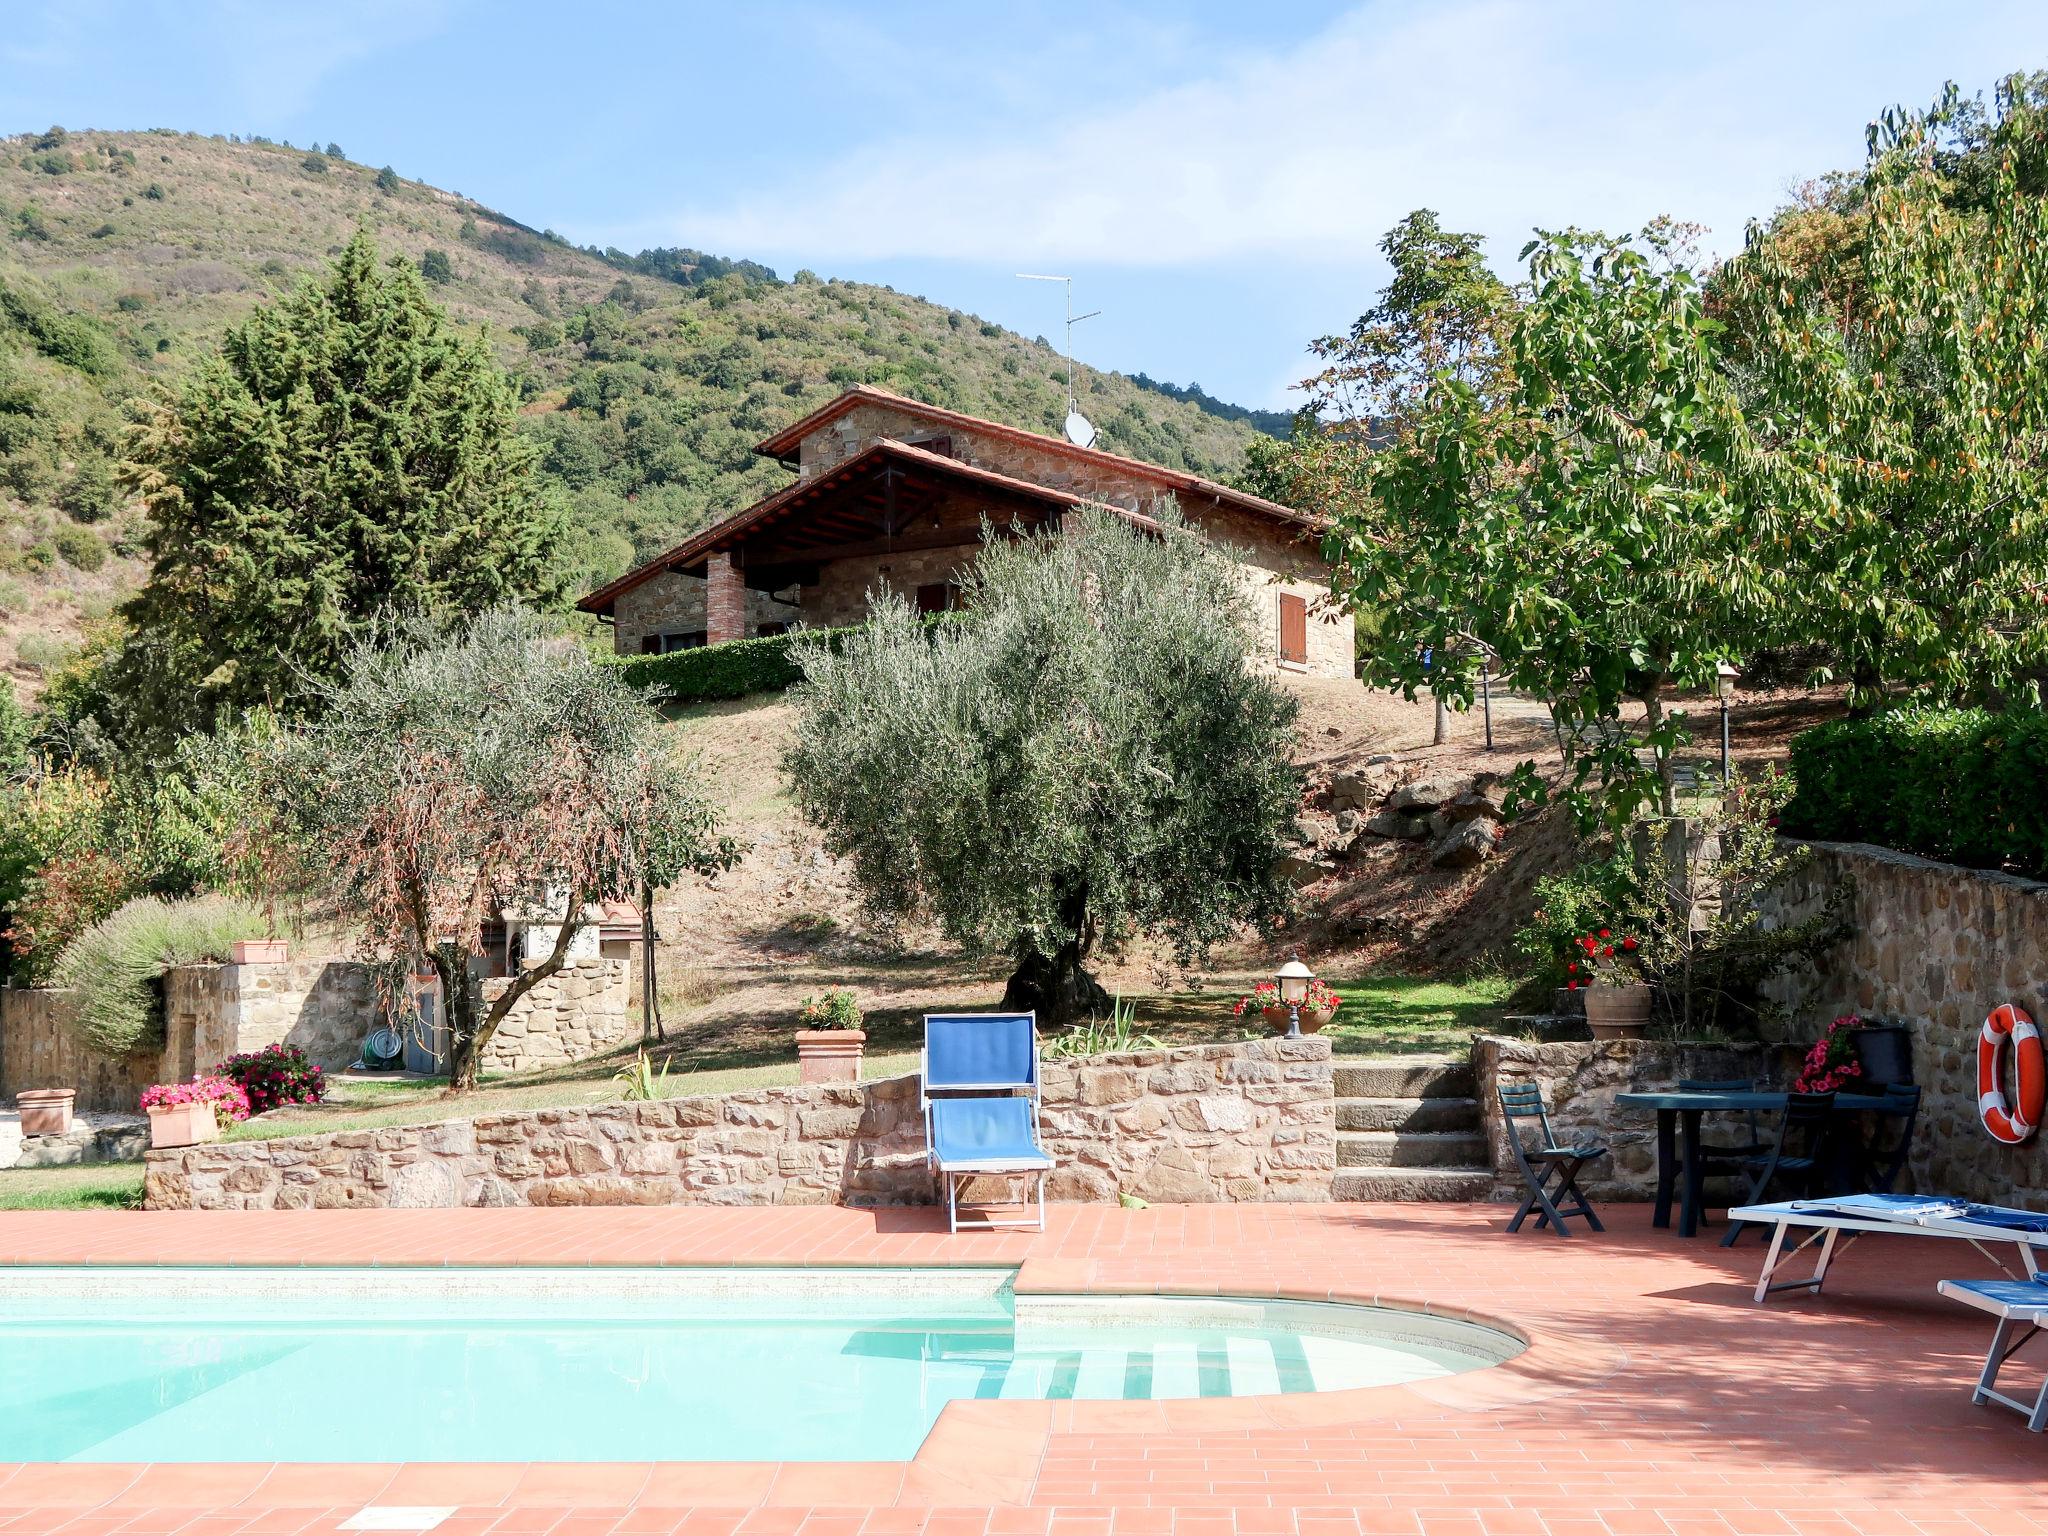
{"x":1933,"y":947}
{"x":1250,"y":1121}
{"x":1580,"y":1079}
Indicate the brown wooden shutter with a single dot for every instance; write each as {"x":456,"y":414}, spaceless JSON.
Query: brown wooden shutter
{"x":1293,"y":628}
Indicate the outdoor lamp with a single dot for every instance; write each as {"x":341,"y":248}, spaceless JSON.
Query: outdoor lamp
{"x":1294,"y":978}
{"x":1725,"y":676}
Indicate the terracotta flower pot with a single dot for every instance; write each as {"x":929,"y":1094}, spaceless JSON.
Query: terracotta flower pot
{"x":829,"y":1055}
{"x":1312,"y":1019}
{"x":183,"y":1125}
{"x":45,"y":1111}
{"x":1618,"y":1013}
{"x":259,"y":951}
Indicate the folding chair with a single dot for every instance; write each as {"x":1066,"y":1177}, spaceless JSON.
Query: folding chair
{"x":1808,"y":1123}
{"x":979,"y":1092}
{"x":1901,"y":1100}
{"x":2016,"y":1304}
{"x":1550,"y":1171}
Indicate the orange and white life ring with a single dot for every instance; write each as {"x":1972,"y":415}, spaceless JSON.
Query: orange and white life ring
{"x":2011,"y":1124}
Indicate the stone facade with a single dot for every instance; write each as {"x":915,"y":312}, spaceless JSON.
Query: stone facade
{"x":1935,"y":948}
{"x":577,"y":1012}
{"x":841,"y":593}
{"x":38,"y":1051}
{"x":1253,"y":1121}
{"x":1272,"y":559}
{"x":1580,"y":1079}
{"x":673,"y":604}
{"x":325,"y":1007}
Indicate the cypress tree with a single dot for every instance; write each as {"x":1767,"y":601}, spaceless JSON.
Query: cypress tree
{"x":344,"y":457}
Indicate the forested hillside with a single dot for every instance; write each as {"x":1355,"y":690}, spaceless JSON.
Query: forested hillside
{"x":646,"y":379}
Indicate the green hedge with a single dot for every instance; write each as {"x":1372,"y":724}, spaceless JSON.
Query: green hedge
{"x":736,"y":668}
{"x":1967,"y":786}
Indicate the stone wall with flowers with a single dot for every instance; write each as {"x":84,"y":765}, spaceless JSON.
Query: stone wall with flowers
{"x":1249,"y":1121}
{"x":1933,"y":947}
{"x":1580,"y":1079}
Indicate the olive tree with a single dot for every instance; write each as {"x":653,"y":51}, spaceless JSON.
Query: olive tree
{"x":447,"y":778}
{"x":1084,"y":755}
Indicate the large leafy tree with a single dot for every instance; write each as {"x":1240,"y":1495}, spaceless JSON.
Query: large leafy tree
{"x":1889,"y":334}
{"x":343,"y":454}
{"x":1086,"y":755}
{"x":445,"y":778}
{"x":1598,"y":519}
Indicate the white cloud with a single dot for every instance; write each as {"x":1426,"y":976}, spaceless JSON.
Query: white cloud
{"x":1501,"y":115}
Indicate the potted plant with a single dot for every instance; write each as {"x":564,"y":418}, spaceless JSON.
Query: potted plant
{"x":184,"y":1114}
{"x":1605,"y":970}
{"x":1885,"y":1051}
{"x":829,"y":1042}
{"x":258,"y":951}
{"x":1832,"y":1063}
{"x":45,"y":1111}
{"x":1317,"y":1008}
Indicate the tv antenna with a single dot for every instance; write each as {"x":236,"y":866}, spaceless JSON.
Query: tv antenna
{"x":1080,"y":430}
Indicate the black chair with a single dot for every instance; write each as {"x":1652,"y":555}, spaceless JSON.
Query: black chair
{"x":1901,"y":1102}
{"x":1726,"y":1159}
{"x":1550,"y":1171}
{"x":1798,"y":1158}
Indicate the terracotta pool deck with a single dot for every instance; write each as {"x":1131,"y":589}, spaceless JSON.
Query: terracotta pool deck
{"x":1656,"y":1399}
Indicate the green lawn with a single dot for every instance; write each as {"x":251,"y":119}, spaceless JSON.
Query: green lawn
{"x":88,"y":1186}
{"x":1382,"y":1015}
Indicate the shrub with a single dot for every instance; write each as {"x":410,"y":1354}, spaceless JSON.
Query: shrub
{"x":277,"y":1074}
{"x":1960,"y":785}
{"x":116,"y":966}
{"x":81,"y":548}
{"x":837,"y":1009}
{"x":735,"y":668}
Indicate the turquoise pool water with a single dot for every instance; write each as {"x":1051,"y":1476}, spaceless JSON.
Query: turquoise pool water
{"x":663,"y":1365}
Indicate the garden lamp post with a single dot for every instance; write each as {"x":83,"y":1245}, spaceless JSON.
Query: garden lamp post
{"x":1724,"y":689}
{"x":1294,"y":978}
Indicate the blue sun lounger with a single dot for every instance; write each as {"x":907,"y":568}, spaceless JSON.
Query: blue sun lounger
{"x":1825,"y":1220}
{"x":2016,"y":1304}
{"x":979,"y":1092}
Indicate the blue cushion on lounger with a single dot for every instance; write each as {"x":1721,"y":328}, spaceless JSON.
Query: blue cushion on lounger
{"x":992,"y":1134}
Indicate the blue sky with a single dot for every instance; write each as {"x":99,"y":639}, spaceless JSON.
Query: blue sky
{"x":1216,"y":177}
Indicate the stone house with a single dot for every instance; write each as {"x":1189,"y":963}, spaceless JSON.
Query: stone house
{"x":892,"y":494}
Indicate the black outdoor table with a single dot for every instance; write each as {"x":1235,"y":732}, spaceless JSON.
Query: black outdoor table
{"x":1678,"y":1132}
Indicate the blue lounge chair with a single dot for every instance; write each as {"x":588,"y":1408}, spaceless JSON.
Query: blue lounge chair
{"x":1983,"y":1227}
{"x":2016,"y":1304}
{"x":979,"y":1093}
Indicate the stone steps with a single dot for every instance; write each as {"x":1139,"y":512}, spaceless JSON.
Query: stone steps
{"x":1412,"y":1184}
{"x":1408,"y":1128}
{"x":1464,"y":1150}
{"x":1404,"y":1077}
{"x":1407,"y":1114}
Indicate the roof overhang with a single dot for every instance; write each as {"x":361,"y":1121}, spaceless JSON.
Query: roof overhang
{"x":867,"y":501}
{"x":784,"y":445}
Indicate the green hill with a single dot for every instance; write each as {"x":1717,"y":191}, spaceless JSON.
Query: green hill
{"x":647,"y":378}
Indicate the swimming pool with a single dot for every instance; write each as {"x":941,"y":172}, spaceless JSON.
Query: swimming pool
{"x":351,"y":1365}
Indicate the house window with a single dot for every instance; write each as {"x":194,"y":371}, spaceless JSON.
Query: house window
{"x":1293,"y":630}
{"x":942,"y":446}
{"x":938,"y":597}
{"x":671,"y":640}
{"x":773,"y":627}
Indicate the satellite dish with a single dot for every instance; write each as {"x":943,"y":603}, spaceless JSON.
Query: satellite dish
{"x":1080,"y":431}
